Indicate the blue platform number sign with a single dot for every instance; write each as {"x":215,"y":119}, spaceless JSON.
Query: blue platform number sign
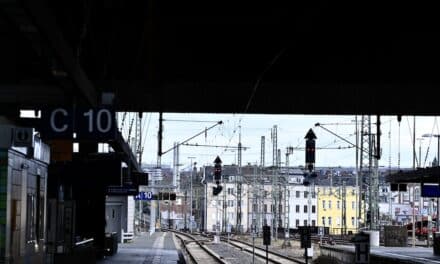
{"x":144,"y":196}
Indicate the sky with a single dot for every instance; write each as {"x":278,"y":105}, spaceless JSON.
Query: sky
{"x":291,"y":131}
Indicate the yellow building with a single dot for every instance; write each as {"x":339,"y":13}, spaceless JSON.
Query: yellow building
{"x":330,"y":208}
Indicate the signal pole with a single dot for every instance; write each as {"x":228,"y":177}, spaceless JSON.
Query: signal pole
{"x":310,"y":166}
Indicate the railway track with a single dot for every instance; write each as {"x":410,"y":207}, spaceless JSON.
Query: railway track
{"x":197,"y":251}
{"x":260,"y":252}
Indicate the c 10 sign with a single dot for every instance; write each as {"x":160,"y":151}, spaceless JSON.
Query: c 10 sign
{"x":92,"y":123}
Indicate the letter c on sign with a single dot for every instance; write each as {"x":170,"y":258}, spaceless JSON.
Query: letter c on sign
{"x":52,"y":120}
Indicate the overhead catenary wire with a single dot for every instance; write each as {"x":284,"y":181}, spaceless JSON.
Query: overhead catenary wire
{"x":412,"y":141}
{"x":260,"y":78}
{"x":429,"y":143}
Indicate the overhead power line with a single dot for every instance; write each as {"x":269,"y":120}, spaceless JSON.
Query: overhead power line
{"x":213,"y":146}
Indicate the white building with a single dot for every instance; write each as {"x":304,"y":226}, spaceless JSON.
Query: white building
{"x":301,"y":212}
{"x":222,"y":208}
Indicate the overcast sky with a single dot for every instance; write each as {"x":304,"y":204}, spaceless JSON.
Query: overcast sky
{"x":291,"y":132}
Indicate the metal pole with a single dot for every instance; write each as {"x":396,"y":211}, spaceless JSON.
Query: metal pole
{"x":191,"y":195}
{"x":267,"y":254}
{"x":191,"y":201}
{"x":217,"y":224}
{"x":253,"y":248}
{"x":413,"y":187}
{"x":169,"y":210}
{"x":438,"y":199}
{"x":186,"y":209}
{"x":306,"y":257}
{"x":358,"y":190}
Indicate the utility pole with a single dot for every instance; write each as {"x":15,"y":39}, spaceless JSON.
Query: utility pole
{"x":261,"y":191}
{"x":191,"y":195}
{"x":358,"y":183}
{"x":225,"y":207}
{"x":286,"y":243}
{"x":153,"y":204}
{"x":369,"y":169}
{"x":344,"y":209}
{"x":274,"y":180}
{"x":279,"y":192}
{"x":254,"y":202}
{"x":176,"y":156}
{"x":413,"y":188}
{"x":238,"y":179}
{"x":374,"y":187}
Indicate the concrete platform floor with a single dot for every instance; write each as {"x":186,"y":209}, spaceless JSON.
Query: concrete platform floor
{"x":395,"y":254}
{"x":158,"y":248}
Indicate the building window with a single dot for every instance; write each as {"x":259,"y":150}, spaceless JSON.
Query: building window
{"x":313,"y":194}
{"x":353,"y":205}
{"x":306,"y":194}
{"x":230,"y":190}
{"x":265,"y":208}
{"x":31,"y":217}
{"x":313,"y":209}
{"x":329,"y":204}
{"x":297,"y":208}
{"x":305,"y":208}
{"x":352,"y":221}
{"x":323,"y":204}
{"x":230,"y":203}
{"x":313,"y":222}
{"x":323,"y":220}
{"x":297,"y":194}
{"x":329,"y":220}
{"x":338,"y":204}
{"x":297,"y":222}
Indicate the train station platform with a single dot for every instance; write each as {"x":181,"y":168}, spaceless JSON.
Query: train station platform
{"x":346,"y":254}
{"x":158,"y":248}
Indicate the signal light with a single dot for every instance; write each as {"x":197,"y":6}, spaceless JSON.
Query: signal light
{"x":216,"y":190}
{"x":217,"y":169}
{"x":306,"y":180}
{"x":310,"y":151}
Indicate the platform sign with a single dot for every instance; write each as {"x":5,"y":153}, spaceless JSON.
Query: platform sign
{"x":95,"y":123}
{"x":254,"y":228}
{"x":430,"y":190}
{"x":306,"y":236}
{"x":87,"y":123}
{"x":362,"y":248}
{"x":321,"y":231}
{"x":57,"y":123}
{"x":266,"y":235}
{"x":144,"y":196}
{"x":122,"y":190}
{"x":157,"y":174}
